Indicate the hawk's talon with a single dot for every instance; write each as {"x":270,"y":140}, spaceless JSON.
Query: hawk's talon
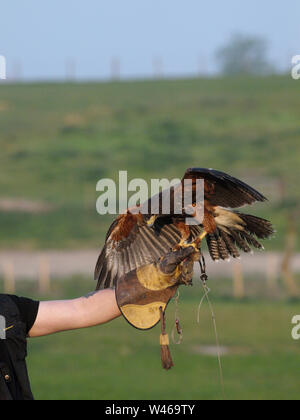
{"x":184,"y":244}
{"x":196,"y":244}
{"x":199,"y":239}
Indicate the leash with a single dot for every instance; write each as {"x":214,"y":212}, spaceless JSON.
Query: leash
{"x":204,"y":279}
{"x":177,"y":326}
{"x":202,"y":263}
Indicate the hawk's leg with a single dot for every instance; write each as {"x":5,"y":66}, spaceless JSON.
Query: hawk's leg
{"x":200,"y":238}
{"x":196,"y":244}
{"x":198,"y":241}
{"x":185,"y":233}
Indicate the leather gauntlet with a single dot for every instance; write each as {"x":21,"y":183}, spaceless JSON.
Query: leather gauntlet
{"x":141,"y":293}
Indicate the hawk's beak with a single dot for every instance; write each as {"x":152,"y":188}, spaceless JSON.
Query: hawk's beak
{"x":151,"y":221}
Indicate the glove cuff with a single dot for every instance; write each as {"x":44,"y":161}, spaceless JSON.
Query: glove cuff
{"x":141,"y":293}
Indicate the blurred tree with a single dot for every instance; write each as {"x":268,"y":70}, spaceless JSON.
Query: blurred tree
{"x":244,"y":55}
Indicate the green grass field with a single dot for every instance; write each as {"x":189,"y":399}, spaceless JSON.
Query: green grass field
{"x":115,"y":361}
{"x":58,"y":140}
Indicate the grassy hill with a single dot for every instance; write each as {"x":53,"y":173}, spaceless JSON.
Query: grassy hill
{"x":58,"y":140}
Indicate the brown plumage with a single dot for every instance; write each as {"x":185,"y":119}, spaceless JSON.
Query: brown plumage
{"x":132,"y":243}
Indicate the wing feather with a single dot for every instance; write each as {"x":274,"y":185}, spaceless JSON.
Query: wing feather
{"x":129,"y":245}
{"x":142,"y":246}
{"x":221,"y":189}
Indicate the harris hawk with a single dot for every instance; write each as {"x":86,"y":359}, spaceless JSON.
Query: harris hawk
{"x":138,"y":238}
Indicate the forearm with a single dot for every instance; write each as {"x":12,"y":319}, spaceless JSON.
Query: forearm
{"x":97,"y":308}
{"x":94,"y":309}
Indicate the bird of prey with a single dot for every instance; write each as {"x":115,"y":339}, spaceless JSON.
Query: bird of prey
{"x":135,"y":239}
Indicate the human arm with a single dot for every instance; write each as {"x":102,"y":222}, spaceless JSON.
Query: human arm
{"x":87,"y":311}
{"x":98,"y":307}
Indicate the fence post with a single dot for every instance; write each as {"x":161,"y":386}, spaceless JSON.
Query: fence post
{"x":9,"y":278}
{"x":158,"y":67}
{"x":115,"y":69}
{"x":286,"y":269}
{"x":238,"y":281}
{"x":44,"y":275}
{"x":272,"y":274}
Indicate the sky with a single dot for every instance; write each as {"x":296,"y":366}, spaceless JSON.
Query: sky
{"x":65,"y":38}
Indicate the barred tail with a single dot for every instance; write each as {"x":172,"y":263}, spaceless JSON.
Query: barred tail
{"x":262,"y":228}
{"x":241,"y":233}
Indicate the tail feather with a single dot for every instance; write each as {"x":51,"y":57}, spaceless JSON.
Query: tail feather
{"x":220,"y":246}
{"x":262,"y":228}
{"x":251,"y":240}
{"x":239,"y":241}
{"x":230,"y":245}
{"x":237,"y":230}
{"x":223,"y":251}
{"x":213,"y":247}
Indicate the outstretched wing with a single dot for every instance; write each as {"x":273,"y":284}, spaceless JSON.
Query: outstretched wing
{"x":221,"y":189}
{"x":126,"y":250}
{"x":130,"y":245}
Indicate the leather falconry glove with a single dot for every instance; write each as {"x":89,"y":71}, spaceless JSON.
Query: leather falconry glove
{"x":143,"y":294}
